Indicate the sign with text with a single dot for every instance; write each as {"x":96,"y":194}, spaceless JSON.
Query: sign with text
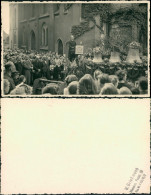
{"x":79,"y":49}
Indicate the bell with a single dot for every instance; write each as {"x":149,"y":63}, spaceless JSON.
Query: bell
{"x":97,"y":55}
{"x":133,"y":55}
{"x":97,"y":58}
{"x":115,"y":57}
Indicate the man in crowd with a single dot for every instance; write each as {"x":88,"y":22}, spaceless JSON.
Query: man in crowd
{"x":72,"y":45}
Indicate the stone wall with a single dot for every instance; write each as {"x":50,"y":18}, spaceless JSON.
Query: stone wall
{"x":63,"y":24}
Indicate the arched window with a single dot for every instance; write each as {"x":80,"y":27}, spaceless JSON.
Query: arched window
{"x":46,"y":38}
{"x":44,"y":35}
{"x":60,"y":47}
{"x":33,"y":40}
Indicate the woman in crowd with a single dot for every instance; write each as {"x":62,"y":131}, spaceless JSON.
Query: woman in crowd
{"x":87,"y":85}
{"x":102,"y":79}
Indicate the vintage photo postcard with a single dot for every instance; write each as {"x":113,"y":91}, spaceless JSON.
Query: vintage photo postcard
{"x":58,"y":146}
{"x":75,"y":48}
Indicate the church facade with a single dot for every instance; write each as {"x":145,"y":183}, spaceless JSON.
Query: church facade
{"x":48,"y":26}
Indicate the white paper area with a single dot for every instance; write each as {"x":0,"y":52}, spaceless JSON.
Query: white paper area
{"x":74,"y":145}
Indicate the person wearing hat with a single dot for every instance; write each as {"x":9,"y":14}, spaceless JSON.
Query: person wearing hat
{"x":8,"y":76}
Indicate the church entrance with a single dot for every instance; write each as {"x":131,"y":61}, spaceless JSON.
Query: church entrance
{"x":33,"y":41}
{"x":60,"y":47}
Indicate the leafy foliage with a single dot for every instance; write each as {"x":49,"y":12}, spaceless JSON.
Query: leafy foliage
{"x":79,"y":30}
{"x":67,"y":6}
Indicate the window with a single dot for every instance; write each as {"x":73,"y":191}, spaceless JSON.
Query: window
{"x":33,"y":11}
{"x":44,"y":35}
{"x":23,"y":41}
{"x":14,"y":37}
{"x":56,"y":7}
{"x":24,"y":11}
{"x":15,"y":18}
{"x":44,"y":8}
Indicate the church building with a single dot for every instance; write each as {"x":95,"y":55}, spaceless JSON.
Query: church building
{"x":48,"y":26}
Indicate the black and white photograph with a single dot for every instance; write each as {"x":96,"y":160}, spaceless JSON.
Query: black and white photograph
{"x":75,"y":48}
{"x":75,"y":106}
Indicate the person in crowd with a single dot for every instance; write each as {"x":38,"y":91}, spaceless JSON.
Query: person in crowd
{"x":72,"y":45}
{"x":87,"y":85}
{"x":143,"y":85}
{"x":8,"y":75}
{"x":6,"y":87}
{"x":28,"y":67}
{"x":135,"y":91}
{"x":114,"y":80}
{"x":38,"y":85}
{"x":68,"y":80}
{"x":72,"y":88}
{"x":22,"y":79}
{"x":122,"y":76}
{"x":102,"y":79}
{"x":125,"y":91}
{"x":22,"y":89}
{"x":51,"y":89}
{"x":37,"y":68}
{"x":13,"y":68}
{"x":109,"y":89}
{"x":96,"y":74}
{"x":45,"y":68}
{"x":15,"y":77}
{"x":18,"y":65}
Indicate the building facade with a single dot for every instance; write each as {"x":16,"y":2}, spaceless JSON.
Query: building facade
{"x":48,"y":26}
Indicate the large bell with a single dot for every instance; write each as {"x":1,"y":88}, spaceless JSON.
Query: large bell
{"x":115,"y":57}
{"x":97,"y":58}
{"x":133,"y":55}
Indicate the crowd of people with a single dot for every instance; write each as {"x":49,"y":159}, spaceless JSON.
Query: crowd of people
{"x":35,"y":73}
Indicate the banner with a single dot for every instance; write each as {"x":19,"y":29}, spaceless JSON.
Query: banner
{"x":79,"y":49}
